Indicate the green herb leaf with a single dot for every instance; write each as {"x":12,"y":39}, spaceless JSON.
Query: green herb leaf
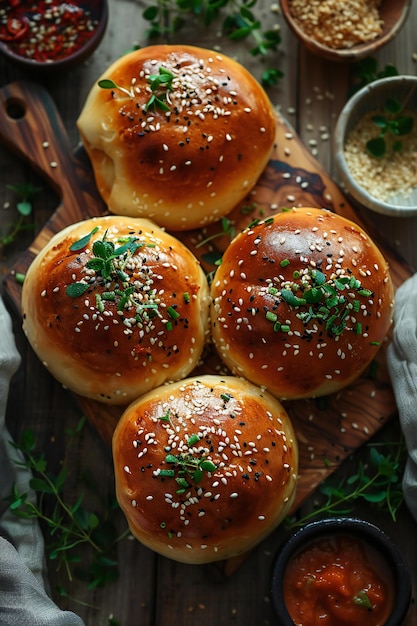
{"x":193,"y":440}
{"x":393,"y":106}
{"x":376,"y":147}
{"x":83,"y":242}
{"x":106,"y":83}
{"x":361,"y":599}
{"x":75,"y":290}
{"x":208,"y":466}
{"x":24,"y":208}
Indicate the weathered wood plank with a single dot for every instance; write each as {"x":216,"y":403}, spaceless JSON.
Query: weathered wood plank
{"x":153,"y":591}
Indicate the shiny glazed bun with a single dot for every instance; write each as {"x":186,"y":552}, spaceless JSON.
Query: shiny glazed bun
{"x":301,"y":303}
{"x":114,"y":307}
{"x":186,"y":164}
{"x":205,"y":468}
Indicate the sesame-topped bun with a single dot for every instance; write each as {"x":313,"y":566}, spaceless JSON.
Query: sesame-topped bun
{"x":180,"y":135}
{"x":301,"y":303}
{"x":205,"y":468}
{"x":115,"y":306}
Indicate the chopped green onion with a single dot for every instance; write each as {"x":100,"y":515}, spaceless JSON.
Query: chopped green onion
{"x":172,"y":312}
{"x":271,"y":317}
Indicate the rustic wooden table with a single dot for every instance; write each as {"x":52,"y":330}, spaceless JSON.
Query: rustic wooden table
{"x":152,"y":590}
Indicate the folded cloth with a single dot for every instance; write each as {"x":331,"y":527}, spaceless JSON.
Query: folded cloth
{"x":402,"y":367}
{"x":23,"y":583}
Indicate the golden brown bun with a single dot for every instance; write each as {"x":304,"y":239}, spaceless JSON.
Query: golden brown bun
{"x":247,"y":480}
{"x":316,"y":345}
{"x":191,"y":165}
{"x":128,"y":333}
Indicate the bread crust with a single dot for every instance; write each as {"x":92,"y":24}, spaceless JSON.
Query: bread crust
{"x":323,"y":341}
{"x":234,"y":503}
{"x":120,"y":336}
{"x":186,"y":167}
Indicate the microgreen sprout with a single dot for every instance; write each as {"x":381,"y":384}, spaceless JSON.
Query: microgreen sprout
{"x":25,"y":193}
{"x":160,"y":85}
{"x":186,"y":467}
{"x":106,"y":83}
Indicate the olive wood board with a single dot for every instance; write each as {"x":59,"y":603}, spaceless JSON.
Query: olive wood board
{"x":328,"y":429}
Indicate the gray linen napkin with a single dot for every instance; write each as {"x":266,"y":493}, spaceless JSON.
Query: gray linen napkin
{"x":402,"y":366}
{"x":23,"y":596}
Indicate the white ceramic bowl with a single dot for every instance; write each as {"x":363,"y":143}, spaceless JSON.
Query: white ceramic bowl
{"x":373,"y":96}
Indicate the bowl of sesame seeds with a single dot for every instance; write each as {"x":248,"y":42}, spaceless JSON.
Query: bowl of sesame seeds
{"x":345,"y":30}
{"x":51,"y":35}
{"x":375,"y":146}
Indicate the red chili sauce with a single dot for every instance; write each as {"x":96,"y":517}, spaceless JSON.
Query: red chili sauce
{"x":338,"y":580}
{"x":47,"y":30}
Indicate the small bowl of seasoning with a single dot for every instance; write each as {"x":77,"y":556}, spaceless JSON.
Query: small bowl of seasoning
{"x":375,"y":146}
{"x":340,"y":571}
{"x":345,"y":30}
{"x":51,"y":35}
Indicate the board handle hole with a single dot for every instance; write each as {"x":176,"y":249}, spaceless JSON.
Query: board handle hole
{"x":15,"y":108}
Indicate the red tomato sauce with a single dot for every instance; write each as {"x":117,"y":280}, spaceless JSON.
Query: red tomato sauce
{"x":338,"y":580}
{"x":45,"y":30}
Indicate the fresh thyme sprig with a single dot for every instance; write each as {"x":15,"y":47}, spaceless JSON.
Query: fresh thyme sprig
{"x":25,"y":192}
{"x":238,"y":22}
{"x":380,"y":487}
{"x":69,"y":527}
{"x":227,"y":228}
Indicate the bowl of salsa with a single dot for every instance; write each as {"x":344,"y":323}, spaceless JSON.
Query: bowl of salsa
{"x":45,"y":35}
{"x":340,"y":572}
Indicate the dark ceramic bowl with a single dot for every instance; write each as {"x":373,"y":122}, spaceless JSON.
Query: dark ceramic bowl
{"x":98,"y":10}
{"x":352,"y":527}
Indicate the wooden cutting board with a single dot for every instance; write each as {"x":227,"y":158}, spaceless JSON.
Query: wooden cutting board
{"x":328,"y":429}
